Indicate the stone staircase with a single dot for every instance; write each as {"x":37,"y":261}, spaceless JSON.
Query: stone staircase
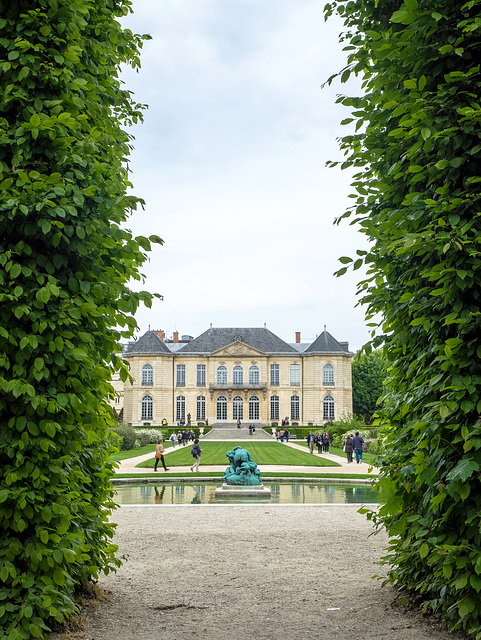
{"x":229,"y":431}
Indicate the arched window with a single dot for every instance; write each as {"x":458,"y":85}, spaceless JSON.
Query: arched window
{"x":328,"y":374}
{"x":274,"y":407}
{"x":238,"y":375}
{"x":253,"y":408}
{"x":328,"y":408}
{"x":200,"y":407}
{"x":294,"y":407}
{"x":147,"y":408}
{"x":238,"y":408}
{"x":180,"y":408}
{"x":147,"y":375}
{"x":222,"y":374}
{"x":221,"y":408}
{"x":254,"y":374}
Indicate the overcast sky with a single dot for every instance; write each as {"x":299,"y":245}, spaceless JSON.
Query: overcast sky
{"x":231,"y":163}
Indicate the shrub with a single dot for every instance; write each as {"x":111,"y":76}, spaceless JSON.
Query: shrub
{"x":148,"y":436}
{"x":127,"y":433}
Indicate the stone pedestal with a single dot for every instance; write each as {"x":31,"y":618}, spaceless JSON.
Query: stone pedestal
{"x":243,"y":490}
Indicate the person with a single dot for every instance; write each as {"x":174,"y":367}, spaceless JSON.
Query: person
{"x":310,"y":441}
{"x":184,"y":437}
{"x":238,"y":423}
{"x":348,"y":447}
{"x":196,"y":451}
{"x":319,"y":442}
{"x":250,"y":429}
{"x":282,"y":435}
{"x":325,"y":442}
{"x":286,"y":435}
{"x":173,"y":437}
{"x":357,"y":443}
{"x":159,"y":454}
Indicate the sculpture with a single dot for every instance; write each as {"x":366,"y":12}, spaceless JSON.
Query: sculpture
{"x":242,"y":471}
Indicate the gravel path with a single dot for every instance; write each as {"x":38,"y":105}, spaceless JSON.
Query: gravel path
{"x":250,"y":571}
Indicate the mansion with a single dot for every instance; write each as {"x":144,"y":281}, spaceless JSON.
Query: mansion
{"x":228,"y":374}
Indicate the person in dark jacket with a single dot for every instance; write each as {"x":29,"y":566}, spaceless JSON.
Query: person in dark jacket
{"x":310,"y":441}
{"x":196,"y":451}
{"x":357,"y":443}
{"x":325,"y":442}
{"x":348,"y":447}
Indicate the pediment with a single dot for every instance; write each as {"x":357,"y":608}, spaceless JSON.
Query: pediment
{"x":238,"y":348}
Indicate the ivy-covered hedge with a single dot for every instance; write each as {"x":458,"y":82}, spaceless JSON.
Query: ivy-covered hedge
{"x":65,"y":262}
{"x":416,"y":148}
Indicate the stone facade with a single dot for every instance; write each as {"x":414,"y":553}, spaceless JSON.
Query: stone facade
{"x":226,"y":374}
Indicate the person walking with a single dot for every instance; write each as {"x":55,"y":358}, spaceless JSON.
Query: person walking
{"x":357,"y":443}
{"x":319,"y":442}
{"x":348,"y":447}
{"x":196,"y":451}
{"x":286,"y":435}
{"x":173,"y":437}
{"x":159,"y":454}
{"x":325,"y":442}
{"x":310,"y":441}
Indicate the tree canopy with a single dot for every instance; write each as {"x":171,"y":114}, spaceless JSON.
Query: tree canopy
{"x":66,"y":261}
{"x":368,"y":374}
{"x":416,"y":151}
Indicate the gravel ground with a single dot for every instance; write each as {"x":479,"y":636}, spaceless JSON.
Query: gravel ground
{"x":249,"y":571}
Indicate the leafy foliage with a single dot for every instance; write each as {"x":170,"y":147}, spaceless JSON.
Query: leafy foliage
{"x":368,"y":374}
{"x":65,"y":262}
{"x":416,"y":149}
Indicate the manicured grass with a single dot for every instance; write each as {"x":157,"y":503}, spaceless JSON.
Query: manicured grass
{"x":366,"y":457}
{"x":133,"y":453}
{"x":263,"y":453}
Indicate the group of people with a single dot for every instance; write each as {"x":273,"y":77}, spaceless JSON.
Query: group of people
{"x":182,"y":437}
{"x":321,"y":440}
{"x":353,"y":444}
{"x":283,"y":435}
{"x":160,"y":450}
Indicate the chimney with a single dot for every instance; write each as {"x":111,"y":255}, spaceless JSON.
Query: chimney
{"x":298,"y":337}
{"x":160,"y":334}
{"x":176,"y":336}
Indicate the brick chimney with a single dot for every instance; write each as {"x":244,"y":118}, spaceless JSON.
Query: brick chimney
{"x":176,"y":336}
{"x":161,"y":334}
{"x":298,"y":337}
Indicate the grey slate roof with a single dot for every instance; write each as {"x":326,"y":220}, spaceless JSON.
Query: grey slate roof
{"x":216,"y":338}
{"x":149,"y":343}
{"x":325,"y":343}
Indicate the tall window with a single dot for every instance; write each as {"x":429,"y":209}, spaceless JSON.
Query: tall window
{"x":238,"y":375}
{"x":221,"y":408}
{"x":238,"y":408}
{"x":221,"y":374}
{"x":147,"y":408}
{"x":147,"y":375}
{"x":180,"y":405}
{"x":294,"y":375}
{"x":274,"y":375}
{"x":254,"y":374}
{"x":201,"y":375}
{"x":328,"y":408}
{"x":253,"y":408}
{"x":274,"y":407}
{"x":328,"y":374}
{"x":200,"y":407}
{"x":294,"y":407}
{"x":181,"y":375}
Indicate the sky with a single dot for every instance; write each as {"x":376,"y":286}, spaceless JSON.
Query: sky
{"x":230,"y":161}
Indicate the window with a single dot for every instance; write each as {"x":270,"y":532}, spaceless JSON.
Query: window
{"x":180,"y":404}
{"x":294,"y":375}
{"x":238,"y":408}
{"x":328,"y":374}
{"x":238,"y":375}
{"x":200,"y":407}
{"x":274,"y":375}
{"x":253,"y":408}
{"x":221,"y":408}
{"x":181,"y":375}
{"x":254,"y":374}
{"x":201,"y":375}
{"x":222,"y":375}
{"x":147,"y":408}
{"x":294,"y":407}
{"x":274,"y":407}
{"x":328,"y":408}
{"x":147,"y":375}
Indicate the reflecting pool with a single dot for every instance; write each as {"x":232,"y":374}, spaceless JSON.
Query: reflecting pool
{"x":280,"y":494}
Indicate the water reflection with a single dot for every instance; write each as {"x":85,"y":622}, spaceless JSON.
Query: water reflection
{"x":280,"y":494}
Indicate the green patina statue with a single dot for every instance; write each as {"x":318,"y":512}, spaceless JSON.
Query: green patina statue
{"x":242,"y":471}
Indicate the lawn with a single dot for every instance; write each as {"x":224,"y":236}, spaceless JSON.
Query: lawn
{"x":366,"y":457}
{"x":263,"y":453}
